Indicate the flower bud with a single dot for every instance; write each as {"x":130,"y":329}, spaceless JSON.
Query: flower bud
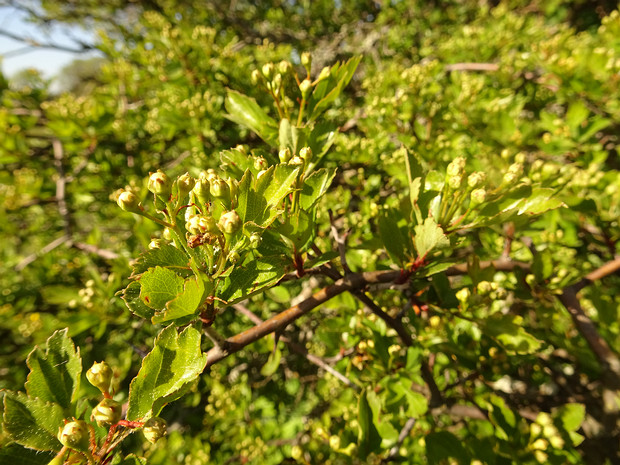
{"x":284,"y":67}
{"x":306,"y":154}
{"x":185,"y":183}
{"x":260,"y":164}
{"x":160,"y":184}
{"x":257,"y":77}
{"x":476,"y":179}
{"x":129,"y":202}
{"x":455,"y":181}
{"x":456,"y":167}
{"x":154,"y":244}
{"x":154,"y":429}
{"x":484,"y":287}
{"x":201,"y":189}
{"x":305,"y":87}
{"x":277,"y":82}
{"x":220,"y":188}
{"x":167,"y":234}
{"x":296,"y":160}
{"x":325,"y":73}
{"x":284,"y":155}
{"x":234,"y":256}
{"x":463,"y":294}
{"x":100,"y":375}
{"x":230,"y":222}
{"x":268,"y":71}
{"x":75,"y":435}
{"x":107,"y":412}
{"x":477,"y":197}
{"x":255,"y":240}
{"x":209,"y":175}
{"x":306,"y":60}
{"x":510,"y":178}
{"x":199,"y":224}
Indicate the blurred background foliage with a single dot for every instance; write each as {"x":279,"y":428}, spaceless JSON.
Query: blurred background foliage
{"x":528,"y":82}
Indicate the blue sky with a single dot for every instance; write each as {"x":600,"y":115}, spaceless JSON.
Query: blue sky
{"x":16,"y":55}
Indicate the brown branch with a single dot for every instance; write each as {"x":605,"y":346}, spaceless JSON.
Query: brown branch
{"x":299,"y":349}
{"x":283,"y":319}
{"x":48,"y":248}
{"x":601,"y":272}
{"x":103,"y":253}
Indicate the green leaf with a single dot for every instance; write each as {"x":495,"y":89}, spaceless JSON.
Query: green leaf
{"x":394,"y":239}
{"x":18,"y":455}
{"x":159,"y":286}
{"x":429,"y":236}
{"x":273,"y":362}
{"x":165,"y":255}
{"x":577,"y":113}
{"x":502,"y":417}
{"x":55,"y":374}
{"x":417,"y":403}
{"x":235,"y":162}
{"x":252,"y":277}
{"x":59,"y":295}
{"x":245,"y":111}
{"x":288,"y":136}
{"x":541,"y":200}
{"x":330,"y":89}
{"x":571,"y":416}
{"x":508,"y":331}
{"x":315,"y":186}
{"x":443,"y":445}
{"x":279,"y":185}
{"x":31,"y":421}
{"x":299,"y":228}
{"x":416,"y":178}
{"x":166,"y":373}
{"x":131,"y":296}
{"x":368,"y":437}
{"x":183,"y":305}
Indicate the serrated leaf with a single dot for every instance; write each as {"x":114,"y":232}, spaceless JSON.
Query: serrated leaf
{"x":571,"y":416}
{"x":235,"y":162}
{"x":428,"y":236}
{"x":417,"y":403}
{"x":330,"y":89}
{"x":299,"y":228}
{"x":541,"y":200}
{"x":158,"y":286}
{"x":315,"y":186}
{"x":508,"y":331}
{"x":245,"y":111}
{"x":131,"y":297}
{"x":18,"y":455}
{"x":183,"y":305}
{"x":251,"y":278}
{"x":166,"y":372}
{"x":288,"y":136}
{"x":55,"y":374}
{"x":31,"y":421}
{"x":165,"y":255}
{"x":416,"y":178}
{"x":280,"y":184}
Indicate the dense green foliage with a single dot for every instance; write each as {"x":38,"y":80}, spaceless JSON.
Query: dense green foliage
{"x":449,"y":241}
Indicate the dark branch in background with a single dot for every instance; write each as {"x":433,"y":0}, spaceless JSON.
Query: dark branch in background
{"x":299,"y":349}
{"x":282,"y":320}
{"x":32,"y":43}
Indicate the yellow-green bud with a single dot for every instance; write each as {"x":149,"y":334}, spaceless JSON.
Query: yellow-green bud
{"x":296,"y":160}
{"x":230,"y":222}
{"x":305,"y":87}
{"x":155,"y":244}
{"x":167,"y":234}
{"x":455,"y":181}
{"x":325,"y":73}
{"x":260,"y":164}
{"x":154,"y":429}
{"x":160,"y":184}
{"x":268,"y":71}
{"x":129,"y":202}
{"x":107,"y":412}
{"x":185,"y":183}
{"x":463,"y":294}
{"x":306,"y":154}
{"x":284,"y":67}
{"x":220,"y":188}
{"x":510,"y":178}
{"x":484,"y":287}
{"x":255,"y":240}
{"x":456,"y":167}
{"x":277,"y":82}
{"x":257,"y":77}
{"x":478,"y":196}
{"x":284,"y":155}
{"x":199,"y":224}
{"x":100,"y":375}
{"x":476,"y":179}
{"x":75,"y":435}
{"x":306,"y":60}
{"x":234,"y":256}
{"x":201,"y":189}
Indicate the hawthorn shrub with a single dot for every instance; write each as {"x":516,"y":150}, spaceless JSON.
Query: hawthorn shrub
{"x":368,"y":234}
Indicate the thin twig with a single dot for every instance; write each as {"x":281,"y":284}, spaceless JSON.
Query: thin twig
{"x":472,"y":67}
{"x":103,"y":253}
{"x":217,"y":339}
{"x":297,"y":348}
{"x":61,"y":183}
{"x":340,"y":243}
{"x":48,"y":248}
